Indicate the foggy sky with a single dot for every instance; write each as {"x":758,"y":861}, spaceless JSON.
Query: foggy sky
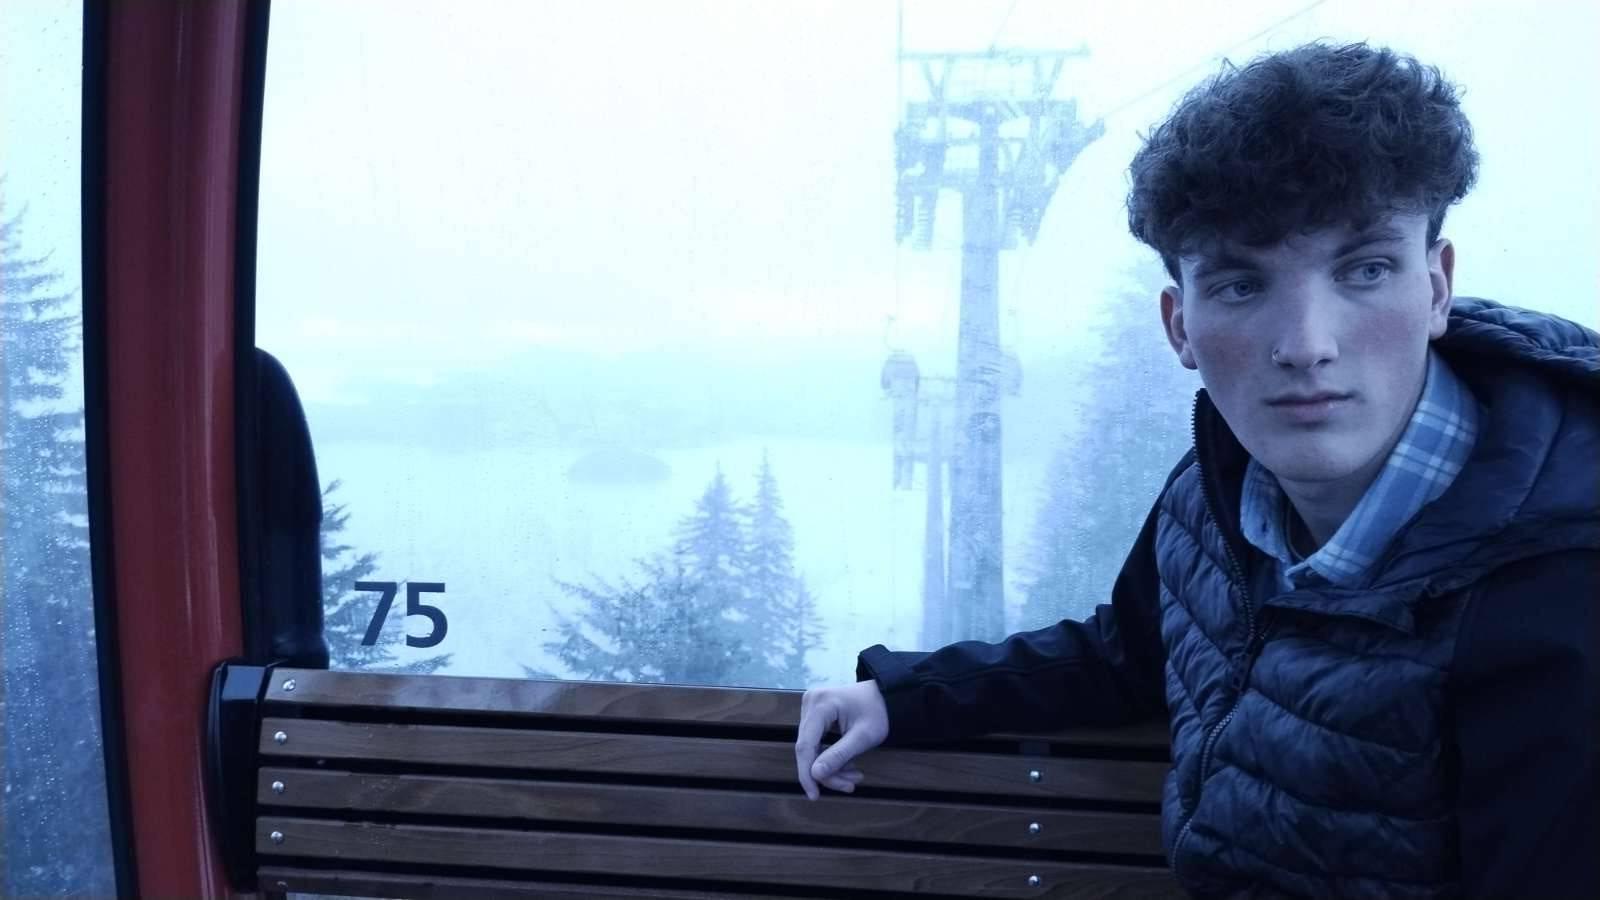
{"x":445,"y":185}
{"x":444,"y":188}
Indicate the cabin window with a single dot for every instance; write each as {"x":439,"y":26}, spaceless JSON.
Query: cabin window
{"x":632,"y":333}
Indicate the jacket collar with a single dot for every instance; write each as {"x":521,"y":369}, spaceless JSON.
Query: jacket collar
{"x":1527,"y":489}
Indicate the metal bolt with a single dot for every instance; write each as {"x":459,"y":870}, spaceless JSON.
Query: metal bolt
{"x":289,"y":685}
{"x":277,"y":787}
{"x":277,"y":837}
{"x":1033,"y":881}
{"x":281,"y":738}
{"x":1033,"y":828}
{"x":1034,"y":775}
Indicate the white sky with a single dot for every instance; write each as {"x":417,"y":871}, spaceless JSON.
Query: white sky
{"x":41,"y":82}
{"x":446,"y":185}
{"x":465,"y":181}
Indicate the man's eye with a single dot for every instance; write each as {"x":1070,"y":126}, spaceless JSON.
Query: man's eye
{"x":1370,"y":272}
{"x":1243,"y":289}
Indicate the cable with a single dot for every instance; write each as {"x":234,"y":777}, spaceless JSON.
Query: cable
{"x":1212,"y":58}
{"x":899,"y":107}
{"x":998,"y":32}
{"x":899,"y":54}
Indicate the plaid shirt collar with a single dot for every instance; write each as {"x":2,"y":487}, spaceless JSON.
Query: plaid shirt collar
{"x":1429,"y":455}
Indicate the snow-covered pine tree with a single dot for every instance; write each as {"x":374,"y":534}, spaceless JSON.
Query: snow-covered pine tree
{"x":1134,"y":427}
{"x":50,"y":738}
{"x":782,"y":623}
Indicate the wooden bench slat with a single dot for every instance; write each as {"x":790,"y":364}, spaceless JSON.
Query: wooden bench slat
{"x":1154,"y":735}
{"x":754,"y":863}
{"x":654,"y":703}
{"x":432,"y":887}
{"x":633,"y":754}
{"x":535,"y":698}
{"x":674,"y":807}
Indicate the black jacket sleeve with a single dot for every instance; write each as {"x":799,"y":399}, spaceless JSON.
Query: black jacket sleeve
{"x":1106,"y":670}
{"x":1525,"y":727}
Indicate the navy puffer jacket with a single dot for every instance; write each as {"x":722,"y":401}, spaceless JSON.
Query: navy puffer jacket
{"x":1427,"y":732}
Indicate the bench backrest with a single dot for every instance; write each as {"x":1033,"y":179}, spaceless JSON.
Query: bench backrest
{"x":401,"y":786}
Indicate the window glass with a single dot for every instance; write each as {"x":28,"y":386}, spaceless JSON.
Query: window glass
{"x":629,"y":331}
{"x":54,"y":827}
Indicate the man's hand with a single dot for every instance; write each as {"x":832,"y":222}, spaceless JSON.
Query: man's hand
{"x":863,"y":724}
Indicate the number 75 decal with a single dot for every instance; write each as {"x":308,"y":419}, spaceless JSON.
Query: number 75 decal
{"x":414,"y":607}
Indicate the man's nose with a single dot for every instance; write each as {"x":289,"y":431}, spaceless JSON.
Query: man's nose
{"x":1306,"y":338}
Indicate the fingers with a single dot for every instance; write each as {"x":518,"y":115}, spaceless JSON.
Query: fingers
{"x":803,"y":757}
{"x":839,"y":783}
{"x":851,"y":744}
{"x":845,"y":781}
{"x":814,"y":720}
{"x":831,"y":768}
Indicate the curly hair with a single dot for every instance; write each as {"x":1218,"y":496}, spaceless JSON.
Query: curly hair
{"x":1315,"y":136}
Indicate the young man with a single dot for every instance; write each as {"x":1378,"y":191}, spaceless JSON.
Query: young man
{"x":1365,"y":598}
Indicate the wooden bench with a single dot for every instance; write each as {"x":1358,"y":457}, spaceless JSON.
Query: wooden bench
{"x":432,"y":786}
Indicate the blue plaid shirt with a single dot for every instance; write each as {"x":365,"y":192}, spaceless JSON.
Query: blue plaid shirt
{"x":1429,"y":455}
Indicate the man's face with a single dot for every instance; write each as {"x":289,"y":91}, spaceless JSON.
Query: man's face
{"x":1315,"y":350}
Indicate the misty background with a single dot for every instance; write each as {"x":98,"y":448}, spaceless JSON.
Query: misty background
{"x":589,"y":305}
{"x":542,"y":270}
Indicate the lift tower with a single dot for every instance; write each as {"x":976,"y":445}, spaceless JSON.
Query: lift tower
{"x":992,"y":130}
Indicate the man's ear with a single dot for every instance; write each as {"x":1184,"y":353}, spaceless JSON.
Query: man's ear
{"x":1172,"y":319}
{"x":1441,"y":274}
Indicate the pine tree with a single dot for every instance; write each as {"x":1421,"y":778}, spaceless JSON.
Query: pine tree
{"x":661,"y":629}
{"x":1133,"y":428}
{"x":801,"y":632}
{"x":50,"y":737}
{"x":347,"y":613}
{"x":782,"y":613}
{"x":711,"y":541}
{"x":686,"y":621}
{"x":722,"y":606}
{"x":711,"y":546}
